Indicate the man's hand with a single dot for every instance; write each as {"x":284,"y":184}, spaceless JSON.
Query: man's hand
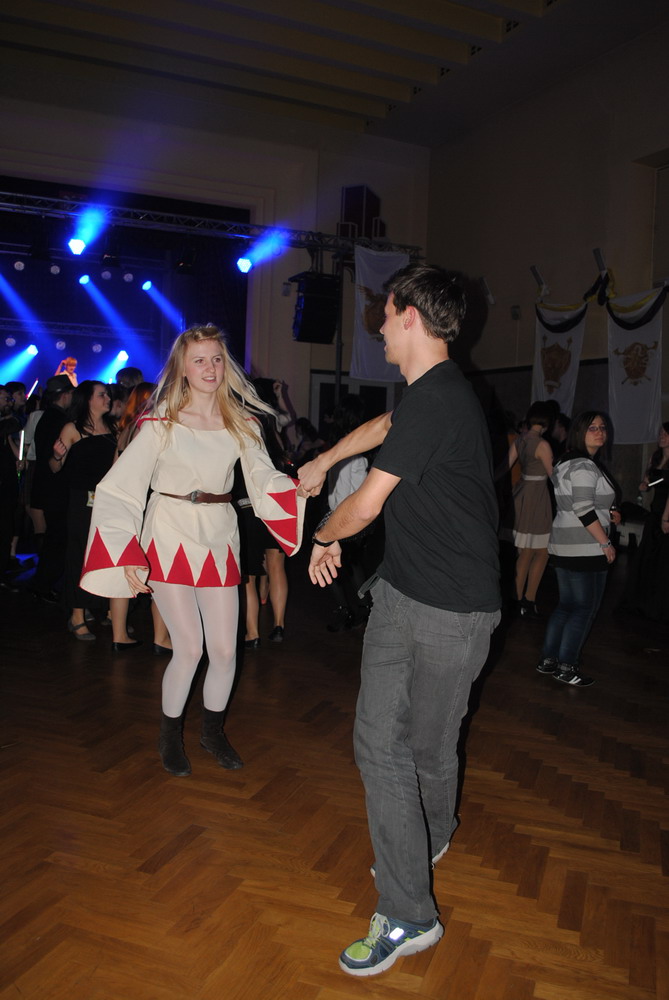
{"x":324,"y":563}
{"x":312,"y":476}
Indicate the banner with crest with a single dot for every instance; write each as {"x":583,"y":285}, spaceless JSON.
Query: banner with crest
{"x":372,"y":270}
{"x":635,"y":365}
{"x":557,"y":353}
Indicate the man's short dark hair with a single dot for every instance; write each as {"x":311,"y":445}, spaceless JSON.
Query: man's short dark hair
{"x":13,"y":387}
{"x":437,"y":294}
{"x":129,"y":377}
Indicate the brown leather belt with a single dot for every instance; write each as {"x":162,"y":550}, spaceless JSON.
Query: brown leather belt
{"x":197,"y":496}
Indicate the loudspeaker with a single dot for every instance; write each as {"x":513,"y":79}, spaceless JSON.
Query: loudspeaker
{"x":317,"y":307}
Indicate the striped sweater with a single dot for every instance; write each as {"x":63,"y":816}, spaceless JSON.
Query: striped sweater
{"x":581,"y":490}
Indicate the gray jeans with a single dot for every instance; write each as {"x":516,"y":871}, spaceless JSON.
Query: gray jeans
{"x":418,"y":666}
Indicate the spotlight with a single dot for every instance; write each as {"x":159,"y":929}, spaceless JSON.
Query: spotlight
{"x":32,"y":350}
{"x":96,"y":348}
{"x":128,"y":276}
{"x":55,"y":269}
{"x":88,"y":228}
{"x":122,"y":355}
{"x":10,"y":341}
{"x":106,"y":275}
{"x":84,"y":279}
{"x":60,"y":345}
{"x":147,"y":285}
{"x":270,"y":245}
{"x":19,"y":265}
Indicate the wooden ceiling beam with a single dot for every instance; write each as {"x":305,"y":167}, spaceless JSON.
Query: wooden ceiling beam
{"x":224,"y":78}
{"x":90,"y":87}
{"x":129,"y":27}
{"x":444,"y":16}
{"x":231,"y":57}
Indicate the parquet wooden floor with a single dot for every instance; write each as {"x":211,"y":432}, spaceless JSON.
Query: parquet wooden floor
{"x":120,"y":882}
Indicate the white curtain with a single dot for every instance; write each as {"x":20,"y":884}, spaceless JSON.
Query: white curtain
{"x":557,"y":353}
{"x":635,"y":365}
{"x":372,"y":270}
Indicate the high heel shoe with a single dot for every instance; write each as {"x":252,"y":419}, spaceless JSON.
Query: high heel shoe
{"x":161,"y":650}
{"x":121,"y":647}
{"x":252,"y":643}
{"x":74,"y":629}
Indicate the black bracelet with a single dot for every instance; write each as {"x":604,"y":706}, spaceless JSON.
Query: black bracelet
{"x":317,"y":541}
{"x":323,"y":521}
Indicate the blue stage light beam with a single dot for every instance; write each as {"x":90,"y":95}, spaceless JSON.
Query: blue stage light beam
{"x":171,"y":313}
{"x":116,"y":321}
{"x":269,"y":246}
{"x":109,"y":372}
{"x":31,"y":322}
{"x":16,"y":367}
{"x":89,"y":225}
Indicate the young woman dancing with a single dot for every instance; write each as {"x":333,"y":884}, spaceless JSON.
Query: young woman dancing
{"x":184,"y":547}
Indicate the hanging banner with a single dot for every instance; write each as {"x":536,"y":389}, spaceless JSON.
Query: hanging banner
{"x":372,"y":270}
{"x":557,"y":353}
{"x":635,"y":365}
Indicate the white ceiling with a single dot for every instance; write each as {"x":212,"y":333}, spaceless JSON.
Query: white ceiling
{"x":419,"y":71}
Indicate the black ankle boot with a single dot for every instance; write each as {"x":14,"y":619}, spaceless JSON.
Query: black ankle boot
{"x":215,"y":741}
{"x":171,"y":746}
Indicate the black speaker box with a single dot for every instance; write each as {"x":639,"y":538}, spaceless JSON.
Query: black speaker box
{"x":317,"y":308}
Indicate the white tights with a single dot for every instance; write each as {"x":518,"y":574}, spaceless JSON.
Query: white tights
{"x":187,"y":611}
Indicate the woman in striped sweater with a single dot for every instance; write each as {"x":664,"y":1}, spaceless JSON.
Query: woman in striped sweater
{"x":580,"y":547}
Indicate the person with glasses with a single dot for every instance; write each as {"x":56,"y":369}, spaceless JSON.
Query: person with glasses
{"x":580,"y":547}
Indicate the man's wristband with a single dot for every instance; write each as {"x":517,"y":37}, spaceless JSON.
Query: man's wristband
{"x":321,"y":523}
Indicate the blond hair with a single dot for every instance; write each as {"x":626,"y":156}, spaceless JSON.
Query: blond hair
{"x":237,"y":398}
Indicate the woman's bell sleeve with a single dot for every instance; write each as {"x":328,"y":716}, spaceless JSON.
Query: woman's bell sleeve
{"x":116,"y":520}
{"x":274,"y":498}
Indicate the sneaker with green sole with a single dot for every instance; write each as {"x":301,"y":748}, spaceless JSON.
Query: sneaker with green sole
{"x":387,"y":941}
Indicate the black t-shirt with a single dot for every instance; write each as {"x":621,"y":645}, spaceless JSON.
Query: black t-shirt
{"x":441,"y":519}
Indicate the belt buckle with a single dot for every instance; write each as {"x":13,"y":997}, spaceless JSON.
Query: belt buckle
{"x":195,"y":496}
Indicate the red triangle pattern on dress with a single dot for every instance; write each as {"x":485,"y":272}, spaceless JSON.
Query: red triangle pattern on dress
{"x":232,"y":574}
{"x":209,"y":577}
{"x":155,"y":569}
{"x":285,"y":532}
{"x":132,"y":554}
{"x":287,"y":501}
{"x":180,"y":571}
{"x":98,"y":555}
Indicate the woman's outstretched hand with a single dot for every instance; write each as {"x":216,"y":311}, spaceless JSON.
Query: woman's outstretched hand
{"x":134,"y":581}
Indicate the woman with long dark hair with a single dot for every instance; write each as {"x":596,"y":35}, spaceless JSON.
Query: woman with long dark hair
{"x":83,"y":453}
{"x":183,"y":545}
{"x":580,"y":547}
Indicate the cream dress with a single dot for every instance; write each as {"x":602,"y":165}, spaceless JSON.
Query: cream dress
{"x":177,"y":541}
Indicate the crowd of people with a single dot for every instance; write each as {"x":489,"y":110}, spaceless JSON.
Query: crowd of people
{"x":188,"y":492}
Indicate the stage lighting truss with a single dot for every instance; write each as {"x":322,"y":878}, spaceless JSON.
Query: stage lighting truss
{"x":141,"y":218}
